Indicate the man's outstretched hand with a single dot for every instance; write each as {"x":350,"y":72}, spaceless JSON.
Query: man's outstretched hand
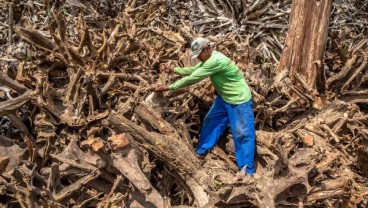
{"x":166,"y":67}
{"x":160,"y":88}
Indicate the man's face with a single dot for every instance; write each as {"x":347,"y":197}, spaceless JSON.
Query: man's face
{"x":204,"y":55}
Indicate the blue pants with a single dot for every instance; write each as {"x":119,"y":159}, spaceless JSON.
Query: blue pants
{"x":241,"y":120}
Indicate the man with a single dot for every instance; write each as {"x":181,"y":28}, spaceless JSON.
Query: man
{"x":233,"y":104}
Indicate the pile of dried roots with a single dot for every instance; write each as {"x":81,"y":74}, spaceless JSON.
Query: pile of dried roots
{"x":80,"y":126}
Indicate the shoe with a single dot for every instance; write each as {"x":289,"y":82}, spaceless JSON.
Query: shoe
{"x":201,"y":157}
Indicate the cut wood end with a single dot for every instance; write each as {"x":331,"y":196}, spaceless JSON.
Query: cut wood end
{"x":2,"y":94}
{"x":4,"y":161}
{"x":95,"y":143}
{"x":308,"y":139}
{"x":118,"y":141}
{"x":319,"y":103}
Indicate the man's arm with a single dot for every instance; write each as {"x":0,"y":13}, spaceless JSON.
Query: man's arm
{"x":178,"y":70}
{"x":186,"y":70}
{"x":205,"y":70}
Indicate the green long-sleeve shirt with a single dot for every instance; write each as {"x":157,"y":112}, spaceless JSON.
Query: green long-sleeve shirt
{"x":225,"y":76}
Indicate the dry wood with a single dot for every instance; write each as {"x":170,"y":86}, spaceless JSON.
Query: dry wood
{"x":171,"y":149}
{"x":307,"y":35}
{"x":13,"y":84}
{"x":8,"y":106}
{"x":80,"y":127}
{"x":130,"y":169}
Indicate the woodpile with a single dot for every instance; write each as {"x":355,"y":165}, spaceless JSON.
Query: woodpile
{"x":81,"y":127}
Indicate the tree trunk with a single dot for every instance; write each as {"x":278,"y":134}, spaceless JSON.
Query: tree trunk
{"x":168,"y":146}
{"x":306,"y":41}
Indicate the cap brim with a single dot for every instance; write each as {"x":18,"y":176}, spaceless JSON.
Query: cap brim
{"x":195,"y":55}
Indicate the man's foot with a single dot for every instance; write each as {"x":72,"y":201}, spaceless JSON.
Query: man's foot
{"x":201,"y":157}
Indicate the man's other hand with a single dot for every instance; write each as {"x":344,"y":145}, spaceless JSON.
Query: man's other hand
{"x":166,"y":67}
{"x":160,"y":88}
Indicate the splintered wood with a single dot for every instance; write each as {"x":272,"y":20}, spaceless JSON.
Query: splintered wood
{"x":81,"y":127}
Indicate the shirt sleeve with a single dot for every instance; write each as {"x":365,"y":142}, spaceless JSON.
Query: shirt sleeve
{"x":187,"y":70}
{"x":207,"y":69}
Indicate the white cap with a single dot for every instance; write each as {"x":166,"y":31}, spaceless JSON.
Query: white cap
{"x":198,"y":45}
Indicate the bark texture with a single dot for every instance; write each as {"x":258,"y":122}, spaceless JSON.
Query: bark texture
{"x":306,"y":40}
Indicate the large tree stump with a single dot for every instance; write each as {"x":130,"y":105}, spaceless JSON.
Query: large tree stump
{"x":306,"y":40}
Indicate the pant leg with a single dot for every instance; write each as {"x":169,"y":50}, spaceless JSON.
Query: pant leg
{"x":242,"y":125}
{"x":213,"y":127}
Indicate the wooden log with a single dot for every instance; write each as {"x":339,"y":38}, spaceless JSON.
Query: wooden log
{"x":9,"y":149}
{"x":76,"y":186}
{"x":4,"y":161}
{"x":35,"y":38}
{"x":129,"y":167}
{"x":330,"y":188}
{"x":13,"y":84}
{"x":171,"y":150}
{"x":8,"y":106}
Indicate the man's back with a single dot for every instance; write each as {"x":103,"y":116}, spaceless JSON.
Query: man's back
{"x":228,"y":81}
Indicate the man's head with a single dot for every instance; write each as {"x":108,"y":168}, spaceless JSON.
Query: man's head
{"x":201,"y":49}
